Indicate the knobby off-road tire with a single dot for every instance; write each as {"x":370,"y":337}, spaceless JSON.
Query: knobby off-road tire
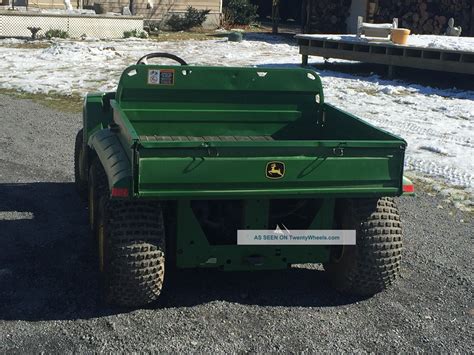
{"x":134,"y":252}
{"x":373,"y":263}
{"x":97,"y":188}
{"x":80,"y":182}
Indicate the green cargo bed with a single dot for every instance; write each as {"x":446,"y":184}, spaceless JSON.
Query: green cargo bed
{"x":216,"y":141}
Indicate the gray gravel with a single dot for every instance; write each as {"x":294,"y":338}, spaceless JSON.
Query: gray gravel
{"x":49,"y":298}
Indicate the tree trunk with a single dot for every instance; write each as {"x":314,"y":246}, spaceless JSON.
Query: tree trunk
{"x":275,"y":16}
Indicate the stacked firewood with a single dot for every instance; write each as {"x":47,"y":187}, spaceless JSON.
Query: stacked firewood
{"x":325,"y":16}
{"x":426,"y":16}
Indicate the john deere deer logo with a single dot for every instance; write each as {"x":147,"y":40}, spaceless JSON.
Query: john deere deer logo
{"x":275,"y":170}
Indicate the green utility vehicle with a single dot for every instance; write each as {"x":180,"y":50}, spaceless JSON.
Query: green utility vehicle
{"x":180,"y":158}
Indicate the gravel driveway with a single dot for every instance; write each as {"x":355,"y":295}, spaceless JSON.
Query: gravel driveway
{"x":49,"y":297}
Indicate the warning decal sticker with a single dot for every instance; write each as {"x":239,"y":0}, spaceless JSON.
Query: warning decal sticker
{"x":161,"y":77}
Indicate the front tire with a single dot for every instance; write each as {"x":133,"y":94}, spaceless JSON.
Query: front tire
{"x":133,"y":252}
{"x":373,"y":264}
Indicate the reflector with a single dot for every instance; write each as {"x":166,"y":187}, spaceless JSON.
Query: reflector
{"x":119,"y":192}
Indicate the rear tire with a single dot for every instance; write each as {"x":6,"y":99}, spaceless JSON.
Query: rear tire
{"x":133,"y":252}
{"x":79,"y":178}
{"x":97,"y":188}
{"x":374,"y":263}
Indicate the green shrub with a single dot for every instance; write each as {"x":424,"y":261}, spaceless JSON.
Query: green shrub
{"x":135,"y":33}
{"x":151,"y":26}
{"x":52,"y":33}
{"x":192,"y":18}
{"x":239,"y":12}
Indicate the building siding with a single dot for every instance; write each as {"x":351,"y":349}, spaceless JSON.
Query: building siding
{"x":141,"y":7}
{"x":151,"y":10}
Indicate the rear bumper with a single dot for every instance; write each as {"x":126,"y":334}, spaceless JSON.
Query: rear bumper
{"x":322,"y":192}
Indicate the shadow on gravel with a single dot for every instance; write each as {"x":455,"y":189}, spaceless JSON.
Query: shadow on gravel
{"x":46,"y":267}
{"x":48,"y":272}
{"x":295,"y":287}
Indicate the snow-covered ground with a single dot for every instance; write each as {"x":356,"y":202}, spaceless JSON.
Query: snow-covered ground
{"x":465,"y":44}
{"x":438,"y":124}
{"x":442,"y":42}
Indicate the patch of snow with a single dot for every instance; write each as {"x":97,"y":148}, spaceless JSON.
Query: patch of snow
{"x":10,"y":41}
{"x":343,"y":38}
{"x":420,"y":41}
{"x":442,"y":42}
{"x":438,"y":124}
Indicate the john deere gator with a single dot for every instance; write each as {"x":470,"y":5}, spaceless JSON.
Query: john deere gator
{"x":181,"y":159}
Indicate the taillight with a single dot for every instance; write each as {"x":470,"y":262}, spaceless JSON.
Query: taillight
{"x":119,"y":192}
{"x":409,"y":188}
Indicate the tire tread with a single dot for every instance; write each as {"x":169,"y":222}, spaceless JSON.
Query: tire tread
{"x":377,"y":255}
{"x":135,"y":247}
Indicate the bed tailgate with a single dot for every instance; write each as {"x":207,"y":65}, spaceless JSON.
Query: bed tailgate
{"x":235,"y":169}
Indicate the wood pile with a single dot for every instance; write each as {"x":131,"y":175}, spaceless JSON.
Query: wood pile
{"x":325,"y":16}
{"x":427,"y":16}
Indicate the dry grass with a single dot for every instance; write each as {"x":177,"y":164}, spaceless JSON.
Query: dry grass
{"x":29,"y":45}
{"x":54,"y":101}
{"x":201,"y":34}
{"x":183,"y":36}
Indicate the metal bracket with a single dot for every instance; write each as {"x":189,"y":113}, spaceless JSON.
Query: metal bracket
{"x":210,"y":148}
{"x":338,"y":152}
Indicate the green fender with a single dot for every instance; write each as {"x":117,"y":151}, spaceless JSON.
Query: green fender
{"x":113,"y":157}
